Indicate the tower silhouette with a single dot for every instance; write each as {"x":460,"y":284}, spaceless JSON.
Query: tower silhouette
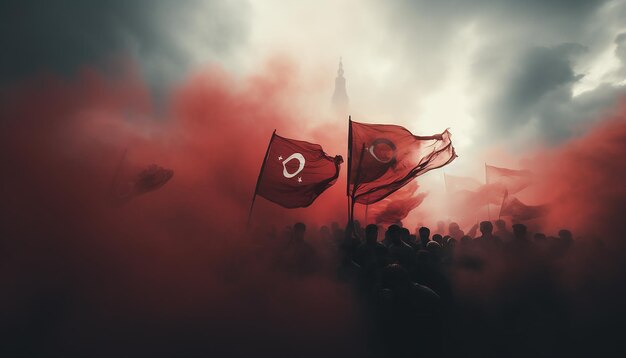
{"x":340,"y":96}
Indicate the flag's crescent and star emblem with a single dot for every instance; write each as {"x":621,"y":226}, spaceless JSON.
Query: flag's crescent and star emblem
{"x":295,"y":172}
{"x":380,"y":148}
{"x":301,"y":162}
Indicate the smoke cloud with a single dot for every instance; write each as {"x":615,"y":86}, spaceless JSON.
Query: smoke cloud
{"x":172,"y":270}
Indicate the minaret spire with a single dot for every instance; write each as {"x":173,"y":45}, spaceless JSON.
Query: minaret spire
{"x":340,"y":96}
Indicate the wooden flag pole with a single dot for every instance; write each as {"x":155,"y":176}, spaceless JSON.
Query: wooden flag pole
{"x":488,"y":204}
{"x":349,"y":166}
{"x":356,"y":183}
{"x":506,"y":194}
{"x":258,"y":180}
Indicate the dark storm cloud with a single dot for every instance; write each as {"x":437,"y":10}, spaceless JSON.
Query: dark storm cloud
{"x":620,"y":53}
{"x":60,"y":36}
{"x":540,"y":74}
{"x":538,"y":91}
{"x":530,"y":56}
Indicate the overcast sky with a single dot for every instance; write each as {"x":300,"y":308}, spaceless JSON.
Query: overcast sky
{"x":510,"y":72}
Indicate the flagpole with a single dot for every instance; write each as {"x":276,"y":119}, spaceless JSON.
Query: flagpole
{"x":258,"y":180}
{"x":349,"y":166}
{"x":506,"y":194}
{"x":488,"y":204}
{"x":366,"y":207}
{"x":356,"y":183}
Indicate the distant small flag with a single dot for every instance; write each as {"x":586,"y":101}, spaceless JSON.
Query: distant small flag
{"x":149,"y":179}
{"x":510,"y":179}
{"x":518,"y":211}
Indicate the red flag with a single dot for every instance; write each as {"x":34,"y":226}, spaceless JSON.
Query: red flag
{"x":509,"y":179}
{"x":384,"y":158}
{"x":483,"y":195}
{"x":295,"y":172}
{"x":518,"y":211}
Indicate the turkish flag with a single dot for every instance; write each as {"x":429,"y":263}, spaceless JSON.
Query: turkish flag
{"x":295,"y":172}
{"x":384,"y":158}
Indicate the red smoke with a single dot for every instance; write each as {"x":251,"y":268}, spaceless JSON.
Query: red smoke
{"x":170,"y":264}
{"x":174,"y":264}
{"x":583,"y":181}
{"x":397,"y":207}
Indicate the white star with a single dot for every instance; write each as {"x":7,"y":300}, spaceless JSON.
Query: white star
{"x":280,"y":157}
{"x":299,"y":179}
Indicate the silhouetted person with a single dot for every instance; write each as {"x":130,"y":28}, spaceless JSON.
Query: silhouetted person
{"x":455,"y":231}
{"x":564,"y":241}
{"x":566,"y":236}
{"x":298,"y":232}
{"x":487,"y":239}
{"x":405,"y":234}
{"x":501,"y":231}
{"x":520,"y":241}
{"x":410,"y":315}
{"x":520,"y":232}
{"x":438,"y":239}
{"x":399,"y":250}
{"x":435,"y":249}
{"x":448,"y":249}
{"x":424,"y":233}
{"x":371,"y":252}
{"x":300,"y":255}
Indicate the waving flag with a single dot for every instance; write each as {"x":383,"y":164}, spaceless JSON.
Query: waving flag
{"x":518,"y":211}
{"x":508,"y":179}
{"x":294,"y":172}
{"x":483,"y":195}
{"x":384,"y":158}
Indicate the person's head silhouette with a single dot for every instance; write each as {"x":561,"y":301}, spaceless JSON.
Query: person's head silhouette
{"x":520,"y":231}
{"x":486,"y":227}
{"x":394,"y":232}
{"x":565,"y":235}
{"x":298,"y":231}
{"x":500,"y":225}
{"x":434,"y":248}
{"x":371,"y":233}
{"x":424,"y":233}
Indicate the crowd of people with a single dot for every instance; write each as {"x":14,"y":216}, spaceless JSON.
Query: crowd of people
{"x":490,"y":292}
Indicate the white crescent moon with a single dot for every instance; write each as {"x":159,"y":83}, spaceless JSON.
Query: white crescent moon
{"x":385,"y":141}
{"x":300,"y":158}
